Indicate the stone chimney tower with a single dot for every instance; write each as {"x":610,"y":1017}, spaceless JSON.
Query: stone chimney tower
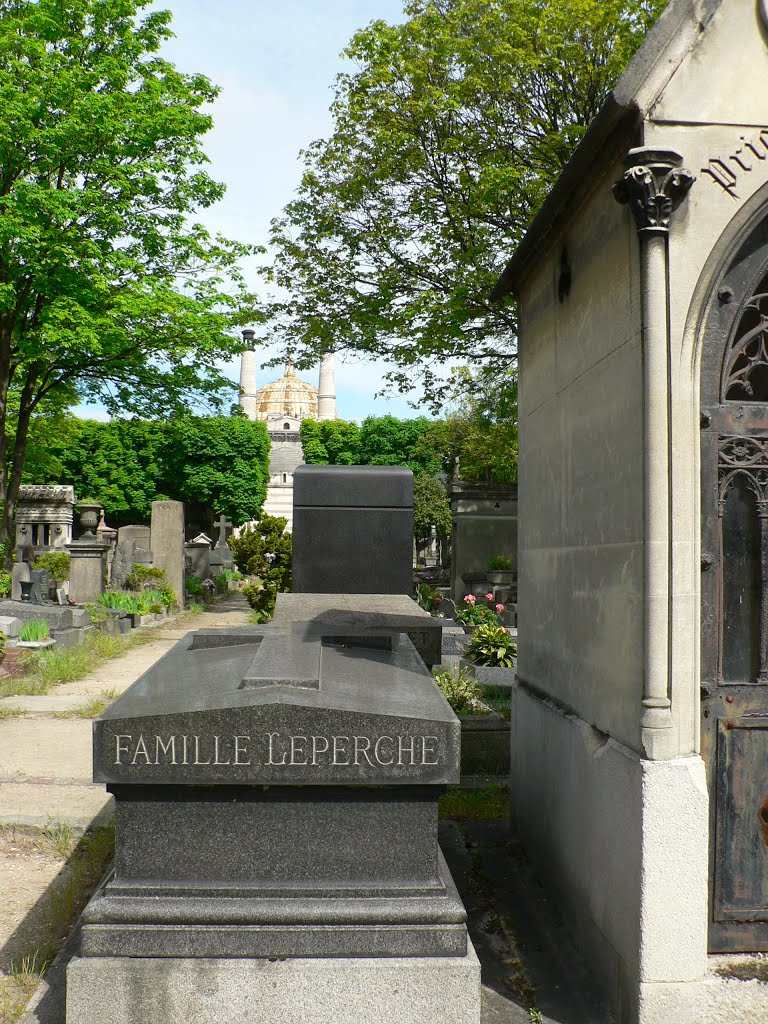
{"x":248,"y":377}
{"x":326,"y":391}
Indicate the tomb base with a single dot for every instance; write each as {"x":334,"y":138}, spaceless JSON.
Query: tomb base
{"x":409,"y":990}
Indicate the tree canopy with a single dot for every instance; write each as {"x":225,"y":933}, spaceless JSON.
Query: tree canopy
{"x":108,"y":291}
{"x":211,"y":463}
{"x":447,"y":136}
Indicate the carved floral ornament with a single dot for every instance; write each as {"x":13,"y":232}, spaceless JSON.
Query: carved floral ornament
{"x":653,"y":185}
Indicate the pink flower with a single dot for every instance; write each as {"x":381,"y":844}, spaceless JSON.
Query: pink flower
{"x":489,"y":597}
{"x":499,"y":607}
{"x":470,"y":599}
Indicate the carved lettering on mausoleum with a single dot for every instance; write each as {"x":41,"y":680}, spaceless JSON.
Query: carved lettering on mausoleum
{"x":750,"y":155}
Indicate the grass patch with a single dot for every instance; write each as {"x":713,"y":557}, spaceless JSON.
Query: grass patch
{"x":86,"y":862}
{"x":10,"y":712}
{"x":47,"y":668}
{"x":481,"y":804}
{"x":16,"y":990}
{"x":498,"y":700}
{"x":195,"y":609}
{"x":91,"y":708}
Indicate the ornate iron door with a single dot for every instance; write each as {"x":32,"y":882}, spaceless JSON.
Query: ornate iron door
{"x":734,"y":619}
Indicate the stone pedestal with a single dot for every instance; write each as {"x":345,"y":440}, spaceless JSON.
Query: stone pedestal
{"x":408,"y":990}
{"x":276,"y":854}
{"x":87,"y":570}
{"x":168,"y":542}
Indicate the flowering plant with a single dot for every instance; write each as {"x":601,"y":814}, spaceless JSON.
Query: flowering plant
{"x":474,"y":614}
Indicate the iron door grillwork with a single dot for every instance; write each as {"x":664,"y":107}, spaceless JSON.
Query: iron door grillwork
{"x":734,"y":593}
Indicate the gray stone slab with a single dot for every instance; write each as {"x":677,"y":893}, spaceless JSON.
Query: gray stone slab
{"x":370,"y":612}
{"x":408,"y":990}
{"x":56,"y":616}
{"x":353,"y":487}
{"x":9,"y":624}
{"x":379,"y":712}
{"x":352,"y":530}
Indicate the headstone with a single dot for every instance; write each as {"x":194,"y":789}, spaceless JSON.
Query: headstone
{"x":141,"y":535}
{"x":250,"y":777}
{"x":87,"y":570}
{"x":353,"y":530}
{"x":198,"y":552}
{"x":143,"y":556}
{"x":168,"y":542}
{"x":20,"y":573}
{"x":221,"y":557}
{"x":40,"y":580}
{"x":122,"y":563}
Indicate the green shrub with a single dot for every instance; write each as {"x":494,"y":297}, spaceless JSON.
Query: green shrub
{"x":6,"y":583}
{"x":146,"y":576}
{"x":264,"y":551}
{"x":492,"y":645}
{"x":57,"y":564}
{"x":261,"y":596}
{"x":3,"y":640}
{"x":500,"y":563}
{"x":461,"y":691}
{"x":193,"y":585}
{"x":34,"y":631}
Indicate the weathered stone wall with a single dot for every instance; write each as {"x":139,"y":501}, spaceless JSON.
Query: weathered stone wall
{"x":580,"y":496}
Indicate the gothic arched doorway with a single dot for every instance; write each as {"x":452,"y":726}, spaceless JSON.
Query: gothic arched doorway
{"x":734,"y":595}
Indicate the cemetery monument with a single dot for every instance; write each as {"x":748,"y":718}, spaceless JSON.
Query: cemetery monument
{"x":640,"y":713}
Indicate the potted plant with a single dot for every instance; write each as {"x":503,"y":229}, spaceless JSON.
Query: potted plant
{"x":500,"y":572}
{"x":35,"y":633}
{"x":472,"y":614}
{"x":484,"y":733}
{"x":493,"y":652}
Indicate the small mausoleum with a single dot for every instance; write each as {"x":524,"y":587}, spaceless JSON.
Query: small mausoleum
{"x":44,"y":516}
{"x":640,"y":714}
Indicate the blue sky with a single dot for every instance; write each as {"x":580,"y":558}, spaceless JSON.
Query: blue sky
{"x":275,"y":61}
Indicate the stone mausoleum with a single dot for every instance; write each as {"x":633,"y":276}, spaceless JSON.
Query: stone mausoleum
{"x":282,"y":405}
{"x":640,"y":714}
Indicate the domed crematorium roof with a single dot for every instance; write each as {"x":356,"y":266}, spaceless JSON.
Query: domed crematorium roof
{"x":289,"y":396}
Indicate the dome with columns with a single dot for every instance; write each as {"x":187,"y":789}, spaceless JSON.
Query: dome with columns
{"x":290,"y":396}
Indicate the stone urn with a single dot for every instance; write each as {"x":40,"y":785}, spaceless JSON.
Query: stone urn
{"x":89,"y":516}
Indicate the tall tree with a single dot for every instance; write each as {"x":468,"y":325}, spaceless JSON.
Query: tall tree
{"x":211,"y":463}
{"x":107,"y":290}
{"x":447,"y":136}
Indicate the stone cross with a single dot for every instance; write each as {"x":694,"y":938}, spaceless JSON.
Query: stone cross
{"x":222,"y":524}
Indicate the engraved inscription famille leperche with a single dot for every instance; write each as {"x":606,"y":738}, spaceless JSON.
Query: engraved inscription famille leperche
{"x":274,"y":749}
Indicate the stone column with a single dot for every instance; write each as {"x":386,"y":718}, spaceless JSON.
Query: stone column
{"x":168,"y":542}
{"x":248,"y":377}
{"x":653,"y":185}
{"x":326,"y":391}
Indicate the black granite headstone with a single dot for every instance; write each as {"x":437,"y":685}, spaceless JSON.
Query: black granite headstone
{"x":276,"y":796}
{"x":352,"y":530}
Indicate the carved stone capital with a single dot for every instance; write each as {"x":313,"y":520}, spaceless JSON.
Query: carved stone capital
{"x":653,"y":185}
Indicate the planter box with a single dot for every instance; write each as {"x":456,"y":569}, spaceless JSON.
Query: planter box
{"x":484,"y":744}
{"x":35,"y":645}
{"x":491,"y":675}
